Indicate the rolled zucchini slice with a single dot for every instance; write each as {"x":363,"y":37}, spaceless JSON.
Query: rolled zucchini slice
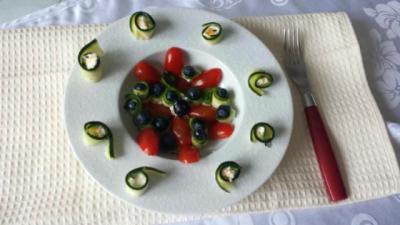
{"x":96,"y":132}
{"x":189,"y":72}
{"x":133,"y":104}
{"x":225,"y":113}
{"x":196,"y":124}
{"x":260,"y":80}
{"x":226,"y":173}
{"x":262,"y":132}
{"x":212,"y":32}
{"x":169,"y":97}
{"x":156,"y":92}
{"x":137,"y":180}
{"x":141,"y":89}
{"x":220,"y":96}
{"x":199,"y":137}
{"x":142,"y":25}
{"x":207,"y":97}
{"x":169,"y":80}
{"x":89,"y":61}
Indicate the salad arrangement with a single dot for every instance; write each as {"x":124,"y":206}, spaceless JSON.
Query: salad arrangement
{"x":180,"y":110}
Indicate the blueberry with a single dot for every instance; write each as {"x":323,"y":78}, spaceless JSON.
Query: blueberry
{"x":198,"y":124}
{"x":157,"y":89}
{"x":194,"y":93}
{"x":222,"y":92}
{"x":167,"y":141}
{"x":223,"y":111}
{"x":189,"y":71}
{"x":171,"y":96}
{"x":181,"y":108}
{"x":130,"y":105}
{"x":141,"y":119}
{"x":200,"y":134}
{"x":160,"y":123}
{"x":140,"y":86}
{"x":169,"y":78}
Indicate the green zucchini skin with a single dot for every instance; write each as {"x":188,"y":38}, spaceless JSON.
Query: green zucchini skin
{"x":139,"y":103}
{"x":214,"y":39}
{"x":268,"y":136}
{"x":164,"y":99}
{"x":133,"y":190}
{"x":144,"y":171}
{"x":190,"y":78}
{"x":217,"y":100}
{"x":232,"y":115}
{"x":142,"y":94}
{"x":139,"y":33}
{"x":169,"y":80}
{"x":207,"y":96}
{"x":91,"y":139}
{"x":94,"y":74}
{"x":225,"y":184}
{"x":198,"y":143}
{"x":256,"y":76}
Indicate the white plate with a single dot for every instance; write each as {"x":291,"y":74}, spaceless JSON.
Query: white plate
{"x":187,"y":188}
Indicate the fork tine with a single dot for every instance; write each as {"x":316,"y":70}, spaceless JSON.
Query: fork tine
{"x":295,"y":44}
{"x":291,"y":44}
{"x":297,"y":38}
{"x":285,"y":47}
{"x":294,"y":53}
{"x":298,"y":50}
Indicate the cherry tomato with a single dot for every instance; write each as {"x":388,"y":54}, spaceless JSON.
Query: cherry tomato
{"x":149,"y":141}
{"x":220,"y":130}
{"x":146,"y":72}
{"x":204,"y":112}
{"x":174,"y":61}
{"x":156,"y":109}
{"x":181,"y":130}
{"x":208,"y":79}
{"x":188,"y":154}
{"x":182,"y":85}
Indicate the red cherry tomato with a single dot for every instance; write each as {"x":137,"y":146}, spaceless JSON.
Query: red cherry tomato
{"x":208,"y":79}
{"x":181,"y":130}
{"x":204,"y":112}
{"x":174,"y":61}
{"x":182,"y":84}
{"x":156,"y":109}
{"x":189,"y":154}
{"x":146,"y":72}
{"x":149,"y":141}
{"x":220,"y":130}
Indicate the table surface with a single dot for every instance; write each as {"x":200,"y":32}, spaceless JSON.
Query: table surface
{"x":377,"y":25}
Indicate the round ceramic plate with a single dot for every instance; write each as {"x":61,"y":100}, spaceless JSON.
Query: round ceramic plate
{"x":186,"y":188}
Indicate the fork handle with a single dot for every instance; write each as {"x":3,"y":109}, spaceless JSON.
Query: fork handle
{"x":325,"y":156}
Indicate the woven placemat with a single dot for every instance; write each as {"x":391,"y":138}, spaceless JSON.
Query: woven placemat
{"x":42,"y":183}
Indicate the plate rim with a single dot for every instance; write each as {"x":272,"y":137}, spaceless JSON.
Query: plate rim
{"x":256,"y":38}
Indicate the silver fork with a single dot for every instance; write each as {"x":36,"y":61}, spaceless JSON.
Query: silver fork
{"x":296,"y":70}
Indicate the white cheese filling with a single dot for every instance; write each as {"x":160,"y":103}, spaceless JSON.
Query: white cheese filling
{"x":262,"y":82}
{"x":90,"y":60}
{"x":144,"y":23}
{"x":260,"y":131}
{"x":211,"y":31}
{"x":137,"y":180}
{"x":97,"y":131}
{"x":229,"y":173}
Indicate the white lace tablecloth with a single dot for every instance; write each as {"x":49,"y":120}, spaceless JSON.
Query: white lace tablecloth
{"x":377,"y":24}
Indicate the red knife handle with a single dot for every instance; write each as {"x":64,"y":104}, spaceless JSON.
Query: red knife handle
{"x":325,"y":156}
